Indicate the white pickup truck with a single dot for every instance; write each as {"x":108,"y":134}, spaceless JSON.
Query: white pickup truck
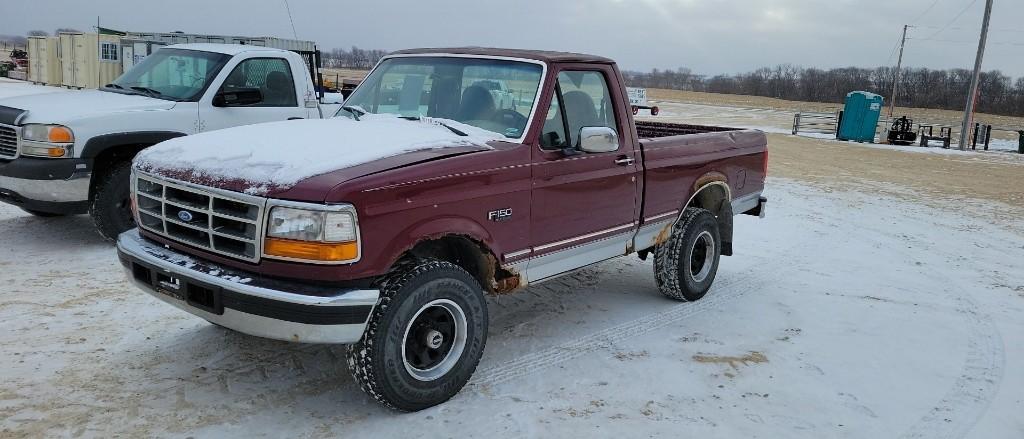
{"x":70,"y":152}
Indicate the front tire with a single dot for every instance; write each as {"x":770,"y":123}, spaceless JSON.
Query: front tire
{"x":425,"y":337}
{"x":685,"y":265}
{"x":111,"y":210}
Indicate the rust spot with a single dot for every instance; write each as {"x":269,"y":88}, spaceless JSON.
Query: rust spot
{"x":708,"y":178}
{"x":664,"y":234}
{"x":506,"y":284}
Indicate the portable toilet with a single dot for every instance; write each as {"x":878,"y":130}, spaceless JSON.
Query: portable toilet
{"x":860,"y":117}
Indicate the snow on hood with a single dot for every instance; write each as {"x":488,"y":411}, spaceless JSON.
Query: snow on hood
{"x":66,"y":106}
{"x":278,"y":155}
{"x":10,"y":89}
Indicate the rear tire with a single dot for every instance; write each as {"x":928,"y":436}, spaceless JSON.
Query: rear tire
{"x":425,"y":337}
{"x":685,"y":265}
{"x":111,"y":210}
{"x":42,"y":214}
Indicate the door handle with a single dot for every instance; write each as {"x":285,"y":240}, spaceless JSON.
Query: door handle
{"x":624,"y":161}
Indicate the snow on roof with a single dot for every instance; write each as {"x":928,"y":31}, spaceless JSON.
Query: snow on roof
{"x":281,"y":154}
{"x":227,"y":49}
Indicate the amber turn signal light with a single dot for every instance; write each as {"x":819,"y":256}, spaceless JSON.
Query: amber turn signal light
{"x":60,"y":135}
{"x":311,"y":251}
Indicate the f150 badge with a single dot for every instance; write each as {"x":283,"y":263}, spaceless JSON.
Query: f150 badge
{"x":500,"y":214}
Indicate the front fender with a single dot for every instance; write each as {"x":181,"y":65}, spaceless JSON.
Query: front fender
{"x":98,"y":144}
{"x":435,"y":228}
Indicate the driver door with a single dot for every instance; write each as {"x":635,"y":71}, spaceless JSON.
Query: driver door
{"x":583,"y":203}
{"x":272,"y":77}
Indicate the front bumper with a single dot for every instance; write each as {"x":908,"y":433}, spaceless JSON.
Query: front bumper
{"x":49,"y":185}
{"x":244,"y":302}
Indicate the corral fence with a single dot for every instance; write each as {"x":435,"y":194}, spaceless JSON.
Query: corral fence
{"x":981,"y":137}
{"x":817,"y":123}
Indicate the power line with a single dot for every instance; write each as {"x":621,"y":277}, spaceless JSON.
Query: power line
{"x":1005,"y":29}
{"x":997,"y":43}
{"x":957,"y":17}
{"x":926,"y":11}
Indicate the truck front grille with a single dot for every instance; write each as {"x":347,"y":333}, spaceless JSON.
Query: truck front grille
{"x":218,"y":221}
{"x":8,"y":142}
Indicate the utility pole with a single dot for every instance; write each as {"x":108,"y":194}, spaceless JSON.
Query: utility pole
{"x":969,"y":110}
{"x":896,"y":76}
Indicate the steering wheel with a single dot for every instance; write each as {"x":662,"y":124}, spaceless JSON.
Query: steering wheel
{"x":510,"y":118}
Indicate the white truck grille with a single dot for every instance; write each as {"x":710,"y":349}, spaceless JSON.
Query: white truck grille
{"x":218,"y":221}
{"x":8,"y":142}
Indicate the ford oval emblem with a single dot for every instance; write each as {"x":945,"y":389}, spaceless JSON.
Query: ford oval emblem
{"x":185,"y":216}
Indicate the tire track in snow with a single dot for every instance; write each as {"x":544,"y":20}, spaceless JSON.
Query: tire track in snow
{"x":972,"y":392}
{"x":543,"y":359}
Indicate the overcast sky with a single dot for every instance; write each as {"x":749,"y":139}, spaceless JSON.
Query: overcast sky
{"x":708,"y":36}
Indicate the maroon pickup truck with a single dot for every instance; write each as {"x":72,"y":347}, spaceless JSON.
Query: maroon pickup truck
{"x":448,"y":175}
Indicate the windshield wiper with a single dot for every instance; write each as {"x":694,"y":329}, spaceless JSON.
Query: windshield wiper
{"x":457,"y":132}
{"x":356,"y":112}
{"x":112,"y":85}
{"x":152,"y":93}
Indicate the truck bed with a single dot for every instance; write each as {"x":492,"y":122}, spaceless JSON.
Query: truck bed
{"x":652,"y":130}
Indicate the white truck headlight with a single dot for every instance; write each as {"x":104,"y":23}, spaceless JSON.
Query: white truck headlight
{"x":316,"y":235}
{"x":53,"y":141}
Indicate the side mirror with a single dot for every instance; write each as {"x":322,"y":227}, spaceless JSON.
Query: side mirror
{"x":598,"y":139}
{"x":240,"y":97}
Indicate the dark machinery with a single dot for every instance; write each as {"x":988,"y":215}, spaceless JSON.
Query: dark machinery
{"x":902,"y":132}
{"x":926,"y":133}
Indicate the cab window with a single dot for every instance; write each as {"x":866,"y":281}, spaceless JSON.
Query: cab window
{"x":582,"y":99}
{"x":271,"y":76}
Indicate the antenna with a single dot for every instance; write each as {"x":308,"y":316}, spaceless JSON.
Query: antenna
{"x":289,"y":9}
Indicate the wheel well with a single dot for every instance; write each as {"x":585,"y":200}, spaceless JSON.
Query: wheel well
{"x":110,"y":157}
{"x":715,"y":197}
{"x":469,"y":254}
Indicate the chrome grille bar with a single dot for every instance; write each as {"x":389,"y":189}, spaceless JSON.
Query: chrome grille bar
{"x":218,"y":221}
{"x":9,"y":137}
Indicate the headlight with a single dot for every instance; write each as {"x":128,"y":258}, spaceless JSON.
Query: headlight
{"x":328,"y":236}
{"x":47,"y":133}
{"x":53,"y":141}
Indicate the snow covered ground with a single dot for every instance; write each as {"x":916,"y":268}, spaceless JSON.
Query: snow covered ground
{"x":843,"y":314}
{"x":781,"y":122}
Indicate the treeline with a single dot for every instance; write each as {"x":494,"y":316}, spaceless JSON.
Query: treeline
{"x":919,"y":87}
{"x":354,"y":58}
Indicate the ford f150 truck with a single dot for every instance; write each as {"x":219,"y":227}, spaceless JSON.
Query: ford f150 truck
{"x":385,"y":228}
{"x":70,"y":152}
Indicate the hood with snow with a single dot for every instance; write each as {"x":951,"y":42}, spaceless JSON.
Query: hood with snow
{"x":273,"y":157}
{"x":67,"y":106}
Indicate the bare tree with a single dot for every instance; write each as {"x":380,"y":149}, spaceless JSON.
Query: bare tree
{"x":38,"y":33}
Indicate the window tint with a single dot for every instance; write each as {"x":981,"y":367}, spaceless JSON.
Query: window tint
{"x":553,"y":136}
{"x":585,"y":98}
{"x":270,"y":75}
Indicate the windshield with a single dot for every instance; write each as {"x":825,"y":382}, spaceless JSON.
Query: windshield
{"x":495,"y":95}
{"x":172,"y":74}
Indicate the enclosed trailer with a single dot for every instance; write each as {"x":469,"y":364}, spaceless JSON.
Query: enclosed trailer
{"x":43,"y":62}
{"x":183,"y":38}
{"x":89,"y":60}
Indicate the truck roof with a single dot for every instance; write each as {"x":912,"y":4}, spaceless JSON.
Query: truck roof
{"x":227,"y":49}
{"x":539,"y":55}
